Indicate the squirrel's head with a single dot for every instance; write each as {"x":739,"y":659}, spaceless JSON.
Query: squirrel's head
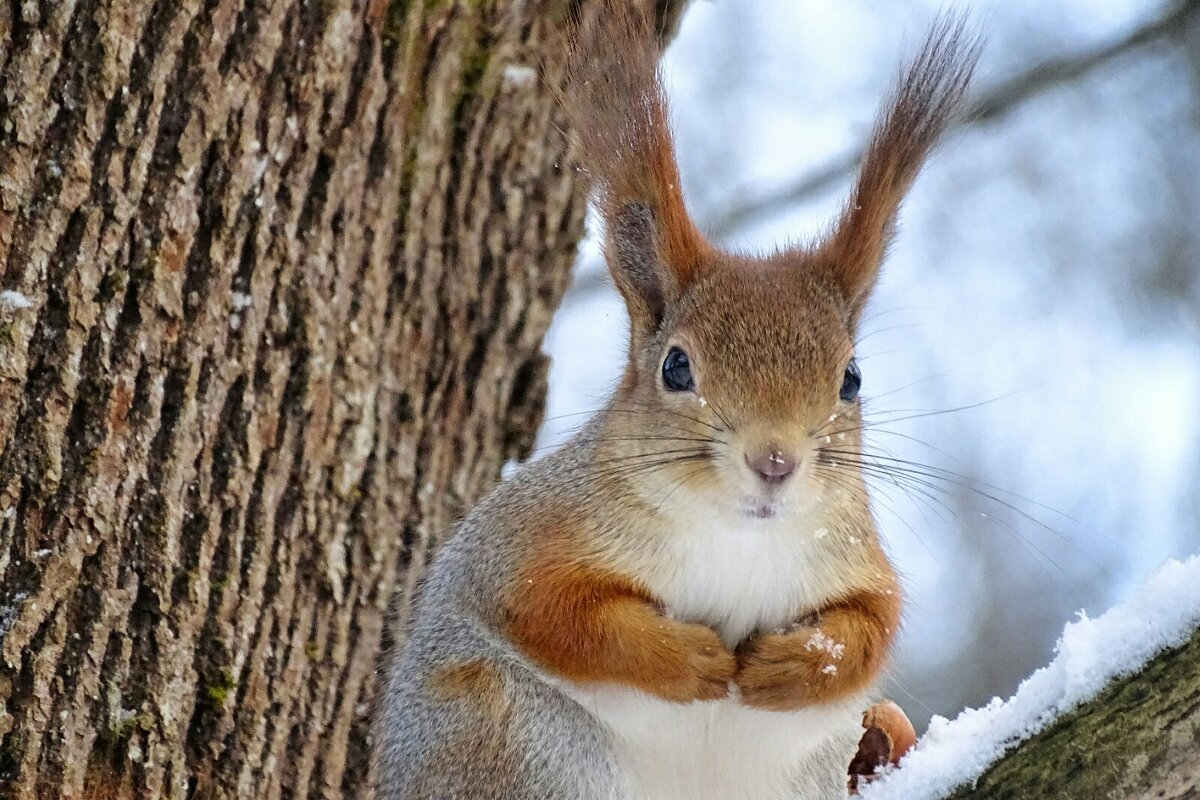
{"x":749,"y":372}
{"x":742,"y":385}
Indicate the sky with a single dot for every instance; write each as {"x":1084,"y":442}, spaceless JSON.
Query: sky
{"x":1045,"y":277}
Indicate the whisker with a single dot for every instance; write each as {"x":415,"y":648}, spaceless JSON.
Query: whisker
{"x":833,"y":419}
{"x":938,"y":412}
{"x":872,"y":431}
{"x":624,"y":473}
{"x":909,"y":694}
{"x":877,"y":331}
{"x":637,"y":457}
{"x":656,"y":457}
{"x":905,"y":482}
{"x":720,"y":415}
{"x":647,"y":409}
{"x":877,"y":314}
{"x":707,"y":439}
{"x":963,"y":481}
{"x":905,"y":387}
{"x":880,"y":494}
{"x":679,"y":484}
{"x":925,"y":488}
{"x":557,"y":417}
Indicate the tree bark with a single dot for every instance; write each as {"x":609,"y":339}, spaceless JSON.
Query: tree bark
{"x":276,"y":278}
{"x":1138,"y":739}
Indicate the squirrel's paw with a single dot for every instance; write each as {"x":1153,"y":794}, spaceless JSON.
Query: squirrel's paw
{"x":705,"y":668}
{"x":787,"y":671}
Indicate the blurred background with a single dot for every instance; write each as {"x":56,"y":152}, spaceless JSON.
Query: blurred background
{"x":1046,"y":282}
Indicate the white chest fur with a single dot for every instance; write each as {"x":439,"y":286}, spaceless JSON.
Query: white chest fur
{"x":723,"y":750}
{"x":761,"y":577}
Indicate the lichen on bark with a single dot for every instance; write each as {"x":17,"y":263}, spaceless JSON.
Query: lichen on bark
{"x":1138,"y":738}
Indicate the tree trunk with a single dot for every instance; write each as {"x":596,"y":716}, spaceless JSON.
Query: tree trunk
{"x":275,"y":278}
{"x":1138,"y":739}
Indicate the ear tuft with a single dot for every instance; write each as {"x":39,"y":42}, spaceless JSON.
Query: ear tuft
{"x":633,"y":253}
{"x":614,"y":100}
{"x":926,"y":99}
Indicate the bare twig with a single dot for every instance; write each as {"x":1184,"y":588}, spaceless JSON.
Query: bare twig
{"x":992,"y":104}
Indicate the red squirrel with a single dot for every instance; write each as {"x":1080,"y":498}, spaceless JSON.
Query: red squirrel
{"x":690,"y":599}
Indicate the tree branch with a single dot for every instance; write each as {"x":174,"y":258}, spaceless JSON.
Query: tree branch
{"x":990,"y":105}
{"x":1138,"y":738}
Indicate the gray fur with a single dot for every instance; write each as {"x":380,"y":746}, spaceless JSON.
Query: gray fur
{"x":551,"y":747}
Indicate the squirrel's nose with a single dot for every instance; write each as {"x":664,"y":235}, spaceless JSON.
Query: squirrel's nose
{"x":772,"y":467}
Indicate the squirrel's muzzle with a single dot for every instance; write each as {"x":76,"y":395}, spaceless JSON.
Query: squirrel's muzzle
{"x":772,"y":467}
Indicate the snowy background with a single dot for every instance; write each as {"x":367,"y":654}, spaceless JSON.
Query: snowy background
{"x":1048,"y":268}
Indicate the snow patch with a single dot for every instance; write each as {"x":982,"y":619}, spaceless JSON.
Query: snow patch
{"x":14,"y":300}
{"x":819,"y":641}
{"x":1159,"y":614}
{"x":519,"y":75}
{"x":10,"y":611}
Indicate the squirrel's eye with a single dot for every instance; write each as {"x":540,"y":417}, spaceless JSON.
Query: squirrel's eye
{"x":677,"y":371}
{"x":851,"y":383}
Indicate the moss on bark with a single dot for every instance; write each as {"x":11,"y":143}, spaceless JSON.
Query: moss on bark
{"x":1139,"y":738}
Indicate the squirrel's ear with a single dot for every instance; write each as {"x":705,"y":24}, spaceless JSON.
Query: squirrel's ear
{"x":925,"y":100}
{"x":614,"y":100}
{"x":631,"y":245}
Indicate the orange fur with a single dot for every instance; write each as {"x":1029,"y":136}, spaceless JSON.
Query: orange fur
{"x":592,"y":625}
{"x":479,"y":686}
{"x":787,"y":671}
{"x":474,"y":682}
{"x":617,"y":107}
{"x":774,"y":382}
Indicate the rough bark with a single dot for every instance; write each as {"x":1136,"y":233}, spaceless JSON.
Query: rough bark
{"x":1138,"y":739}
{"x":288,"y":266}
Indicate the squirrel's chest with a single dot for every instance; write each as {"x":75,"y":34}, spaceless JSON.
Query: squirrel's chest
{"x":738,"y":580}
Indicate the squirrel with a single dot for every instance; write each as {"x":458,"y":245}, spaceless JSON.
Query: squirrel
{"x":690,"y":599}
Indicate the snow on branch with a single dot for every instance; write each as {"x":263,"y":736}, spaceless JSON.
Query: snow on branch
{"x":1162,"y":613}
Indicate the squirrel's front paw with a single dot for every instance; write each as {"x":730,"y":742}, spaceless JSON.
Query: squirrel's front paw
{"x":704,"y":668}
{"x":787,"y":671}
